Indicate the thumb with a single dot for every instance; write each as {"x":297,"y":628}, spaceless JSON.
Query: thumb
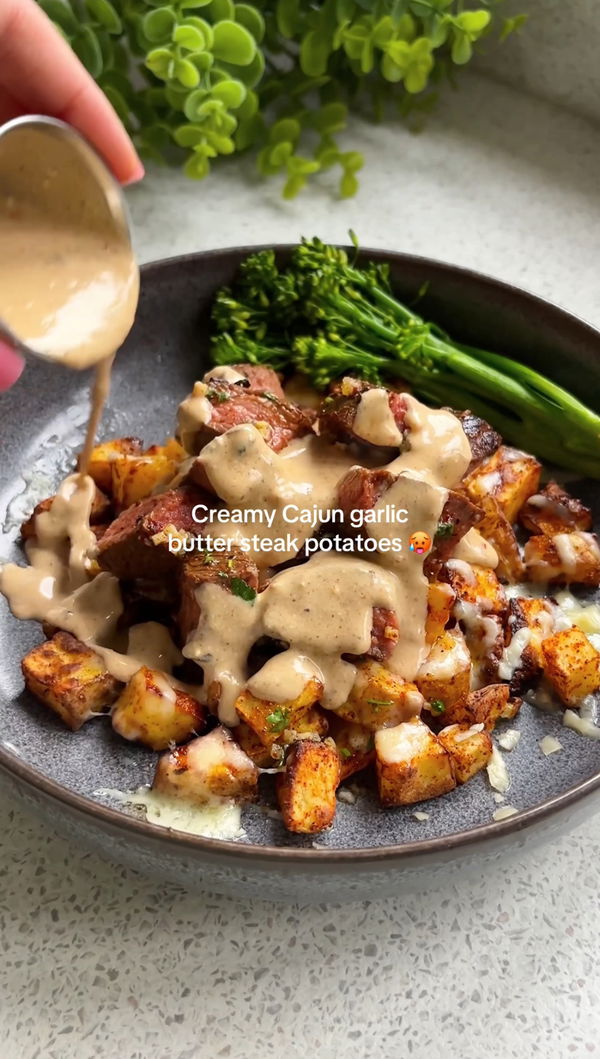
{"x":11,"y":366}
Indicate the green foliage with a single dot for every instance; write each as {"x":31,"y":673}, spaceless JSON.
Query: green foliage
{"x":196,"y":79}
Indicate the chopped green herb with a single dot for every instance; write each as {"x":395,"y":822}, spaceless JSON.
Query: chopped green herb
{"x":437,"y":706}
{"x":208,"y":559}
{"x":270,"y":396}
{"x":344,"y":752}
{"x":278,"y":720}
{"x":241,"y":588}
{"x":444,"y":529}
{"x":217,"y":395}
{"x":223,"y":575}
{"x":380,"y":702}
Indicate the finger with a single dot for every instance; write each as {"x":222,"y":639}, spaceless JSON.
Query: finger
{"x":9,"y":108}
{"x":42,"y":74}
{"x":11,"y":366}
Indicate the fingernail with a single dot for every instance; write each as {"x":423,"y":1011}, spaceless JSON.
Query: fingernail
{"x":138,"y":173}
{"x":11,"y":366}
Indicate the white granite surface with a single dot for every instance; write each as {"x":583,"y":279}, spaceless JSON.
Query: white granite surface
{"x":100,"y":962}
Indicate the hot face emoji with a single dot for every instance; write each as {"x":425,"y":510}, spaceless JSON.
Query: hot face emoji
{"x":419,"y":543}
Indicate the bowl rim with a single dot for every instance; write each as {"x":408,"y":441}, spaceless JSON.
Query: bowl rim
{"x":29,"y":776}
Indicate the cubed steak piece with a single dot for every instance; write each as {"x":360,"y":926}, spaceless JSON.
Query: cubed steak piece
{"x":100,"y":512}
{"x":553,"y":511}
{"x":135,"y":545}
{"x":483,"y":439}
{"x":233,"y":570}
{"x":226,"y":405}
{"x":340,"y":418}
{"x":255,"y":378}
{"x":459,"y":514}
{"x":361,"y":489}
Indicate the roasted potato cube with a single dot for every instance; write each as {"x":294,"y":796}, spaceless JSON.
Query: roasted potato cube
{"x":529,"y":622}
{"x":469,"y":748}
{"x":269,"y":720}
{"x":476,"y":585}
{"x":379,"y":699}
{"x":445,"y":675}
{"x":211,"y":766}
{"x":252,"y":746}
{"x":151,"y":711}
{"x":553,"y":511}
{"x":306,"y":790}
{"x":484,"y":634}
{"x":412,"y":765}
{"x":485,"y":706}
{"x":510,"y":476}
{"x":99,"y":513}
{"x":103,"y":456}
{"x":572,"y":665}
{"x":567,"y":558}
{"x":70,"y":678}
{"x":136,"y":477}
{"x":355,"y":745}
{"x":440,"y":600}
{"x":496,"y":529}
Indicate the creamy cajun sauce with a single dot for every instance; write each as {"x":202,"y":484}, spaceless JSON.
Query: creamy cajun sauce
{"x":374,"y":420}
{"x":69,"y":282}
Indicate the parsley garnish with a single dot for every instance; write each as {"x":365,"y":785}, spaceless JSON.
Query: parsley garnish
{"x":208,"y":559}
{"x":241,"y":588}
{"x":217,"y":395}
{"x":344,"y":752}
{"x":278,"y":720}
{"x":380,"y":702}
{"x":444,"y":529}
{"x":437,"y":706}
{"x":270,"y":396}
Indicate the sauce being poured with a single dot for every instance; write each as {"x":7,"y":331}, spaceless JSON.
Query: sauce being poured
{"x":69,"y":282}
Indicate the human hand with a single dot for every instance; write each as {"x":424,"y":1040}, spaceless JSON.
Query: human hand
{"x":39,"y":74}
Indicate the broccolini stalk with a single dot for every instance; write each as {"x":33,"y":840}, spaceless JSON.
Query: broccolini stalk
{"x":324,"y":316}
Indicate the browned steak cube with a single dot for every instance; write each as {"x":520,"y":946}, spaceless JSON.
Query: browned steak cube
{"x":278,"y":420}
{"x":483,"y":439}
{"x":553,"y":511}
{"x":100,"y":512}
{"x":458,"y":515}
{"x":128,"y":548}
{"x":217,"y":568}
{"x":360,"y":489}
{"x":261,"y":379}
{"x":384,"y":633}
{"x":338,"y":410}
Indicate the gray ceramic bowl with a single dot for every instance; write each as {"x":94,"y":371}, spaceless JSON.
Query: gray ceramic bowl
{"x":369,"y":851}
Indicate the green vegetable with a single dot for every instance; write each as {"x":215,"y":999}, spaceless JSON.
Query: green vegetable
{"x":241,"y":588}
{"x":196,"y":79}
{"x":278,"y":720}
{"x":380,"y":702}
{"x":444,"y":529}
{"x":325,"y":316}
{"x":437,"y":706}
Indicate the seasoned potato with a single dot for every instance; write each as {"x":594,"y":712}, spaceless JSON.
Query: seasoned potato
{"x":445,"y":675}
{"x":477,"y":585}
{"x":530,"y":621}
{"x":136,"y":477}
{"x":151,"y":711}
{"x":269,"y":720}
{"x":355,"y":745}
{"x":484,"y":634}
{"x":496,"y":529}
{"x":485,"y":706}
{"x":306,"y":790}
{"x":507,"y":475}
{"x":379,"y":699}
{"x":411,"y":764}
{"x":252,"y":746}
{"x":99,"y":513}
{"x":70,"y":678}
{"x":103,"y":456}
{"x":440,"y":599}
{"x":572,"y":665}
{"x":567,"y":558}
{"x":469,"y":748}
{"x":210,"y":766}
{"x":553,"y":511}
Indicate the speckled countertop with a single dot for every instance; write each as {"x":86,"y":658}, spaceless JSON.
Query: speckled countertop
{"x":100,"y":962}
